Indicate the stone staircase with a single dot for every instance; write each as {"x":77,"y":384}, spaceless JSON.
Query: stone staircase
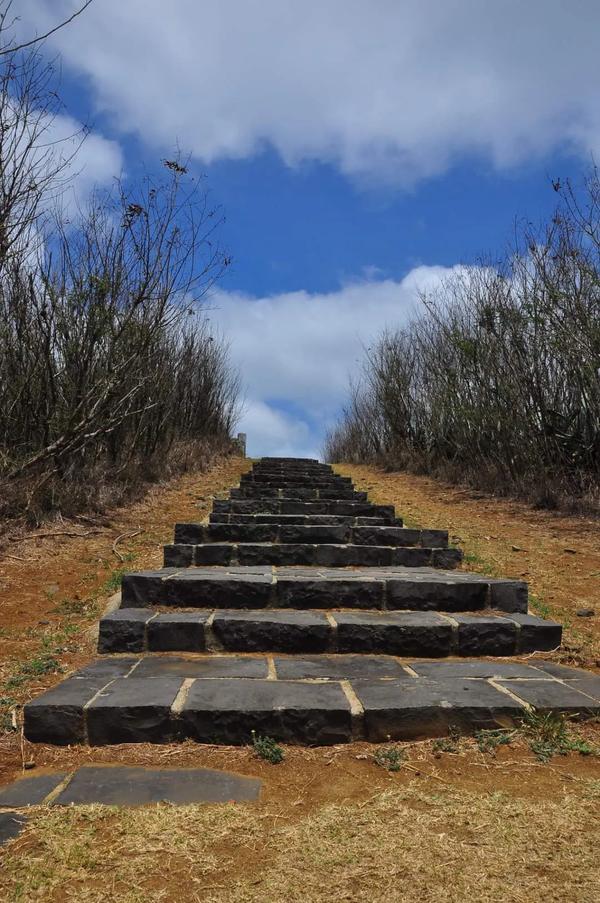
{"x":305,"y":612}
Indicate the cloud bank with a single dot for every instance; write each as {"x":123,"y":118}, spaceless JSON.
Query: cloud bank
{"x":385,"y":90}
{"x":296,"y":352}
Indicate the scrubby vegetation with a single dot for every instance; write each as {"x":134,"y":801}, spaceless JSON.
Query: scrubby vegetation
{"x":496,"y":381}
{"x":109,"y":374}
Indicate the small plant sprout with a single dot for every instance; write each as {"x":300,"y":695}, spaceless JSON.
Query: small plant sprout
{"x":390,"y":757}
{"x":268,"y":749}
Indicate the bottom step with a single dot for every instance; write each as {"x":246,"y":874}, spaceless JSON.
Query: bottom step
{"x":318,"y":700}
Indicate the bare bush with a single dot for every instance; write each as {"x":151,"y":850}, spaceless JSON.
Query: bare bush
{"x":497,"y":380}
{"x":108,"y":371}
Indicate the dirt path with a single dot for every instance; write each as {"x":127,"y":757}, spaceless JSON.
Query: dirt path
{"x":332,"y":823}
{"x":558,"y":556}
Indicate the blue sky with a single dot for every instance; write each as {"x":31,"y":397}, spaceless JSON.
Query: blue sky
{"x":360,"y":151}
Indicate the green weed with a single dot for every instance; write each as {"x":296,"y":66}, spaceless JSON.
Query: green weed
{"x":488,"y":741}
{"x":448,"y":744}
{"x":390,"y":757}
{"x":548,"y":735}
{"x":268,"y":749}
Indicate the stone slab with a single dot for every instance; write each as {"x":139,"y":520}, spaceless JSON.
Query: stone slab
{"x":57,"y":716}
{"x":564,"y":672}
{"x":412,"y":709}
{"x":536,"y":634}
{"x":124,"y":630}
{"x":278,"y":631}
{"x":228,"y":711}
{"x":134,"y":786}
{"x":397,"y":633}
{"x":108,"y":668}
{"x":209,"y":666}
{"x":479,"y":635}
{"x":179,"y":631}
{"x":11,"y":825}
{"x":30,"y":791}
{"x":442,"y":670}
{"x":337,"y":667}
{"x":552,"y":695}
{"x":133,"y":711}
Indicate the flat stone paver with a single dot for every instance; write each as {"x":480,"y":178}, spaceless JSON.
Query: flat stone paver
{"x":214,"y":666}
{"x":469,"y":668}
{"x":133,"y":786}
{"x":30,"y":791}
{"x":552,"y":695}
{"x":337,"y":667}
{"x":408,"y":710}
{"x":11,"y":825}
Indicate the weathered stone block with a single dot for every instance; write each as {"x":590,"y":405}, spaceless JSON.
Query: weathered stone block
{"x":227,"y":711}
{"x":178,"y":631}
{"x":277,"y":631}
{"x":124,"y":630}
{"x":57,"y":716}
{"x":133,"y":711}
{"x":485,"y":636}
{"x":416,"y":708}
{"x":397,"y":633}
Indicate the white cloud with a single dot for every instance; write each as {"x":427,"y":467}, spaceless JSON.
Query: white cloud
{"x":96,"y":161}
{"x":386,"y":90}
{"x":297,"y":350}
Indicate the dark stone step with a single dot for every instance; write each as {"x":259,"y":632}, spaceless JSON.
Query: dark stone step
{"x":306,"y":493}
{"x":326,"y":482}
{"x":290,"y":554}
{"x":320,"y":700}
{"x":298,"y":506}
{"x":301,"y":534}
{"x":391,"y":588}
{"x":307,"y":520}
{"x":403,"y":633}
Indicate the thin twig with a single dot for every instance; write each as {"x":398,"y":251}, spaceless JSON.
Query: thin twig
{"x":129,"y":533}
{"x":42,"y":37}
{"x":58,"y":533}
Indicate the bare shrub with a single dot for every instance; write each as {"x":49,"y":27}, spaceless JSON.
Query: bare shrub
{"x":108,"y":371}
{"x":497,"y":381}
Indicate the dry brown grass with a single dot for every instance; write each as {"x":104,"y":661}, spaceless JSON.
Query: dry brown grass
{"x":399,"y":845}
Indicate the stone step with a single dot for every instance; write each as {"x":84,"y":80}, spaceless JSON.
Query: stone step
{"x":180,"y":555}
{"x":299,"y":506}
{"x":308,"y":520}
{"x":314,"y":533}
{"x":296,"y":491}
{"x":385,"y":588}
{"x":403,"y":633}
{"x":318,"y":700}
{"x":327,"y":482}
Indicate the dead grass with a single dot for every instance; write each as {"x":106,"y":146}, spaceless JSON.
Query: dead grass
{"x":408,"y":844}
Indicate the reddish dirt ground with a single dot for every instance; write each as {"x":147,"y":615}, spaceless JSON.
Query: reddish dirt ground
{"x":55,"y":587}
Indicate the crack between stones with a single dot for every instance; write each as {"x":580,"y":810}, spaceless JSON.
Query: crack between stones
{"x":513,"y":696}
{"x":182,"y":694}
{"x":50,"y":798}
{"x":357,"y":712}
